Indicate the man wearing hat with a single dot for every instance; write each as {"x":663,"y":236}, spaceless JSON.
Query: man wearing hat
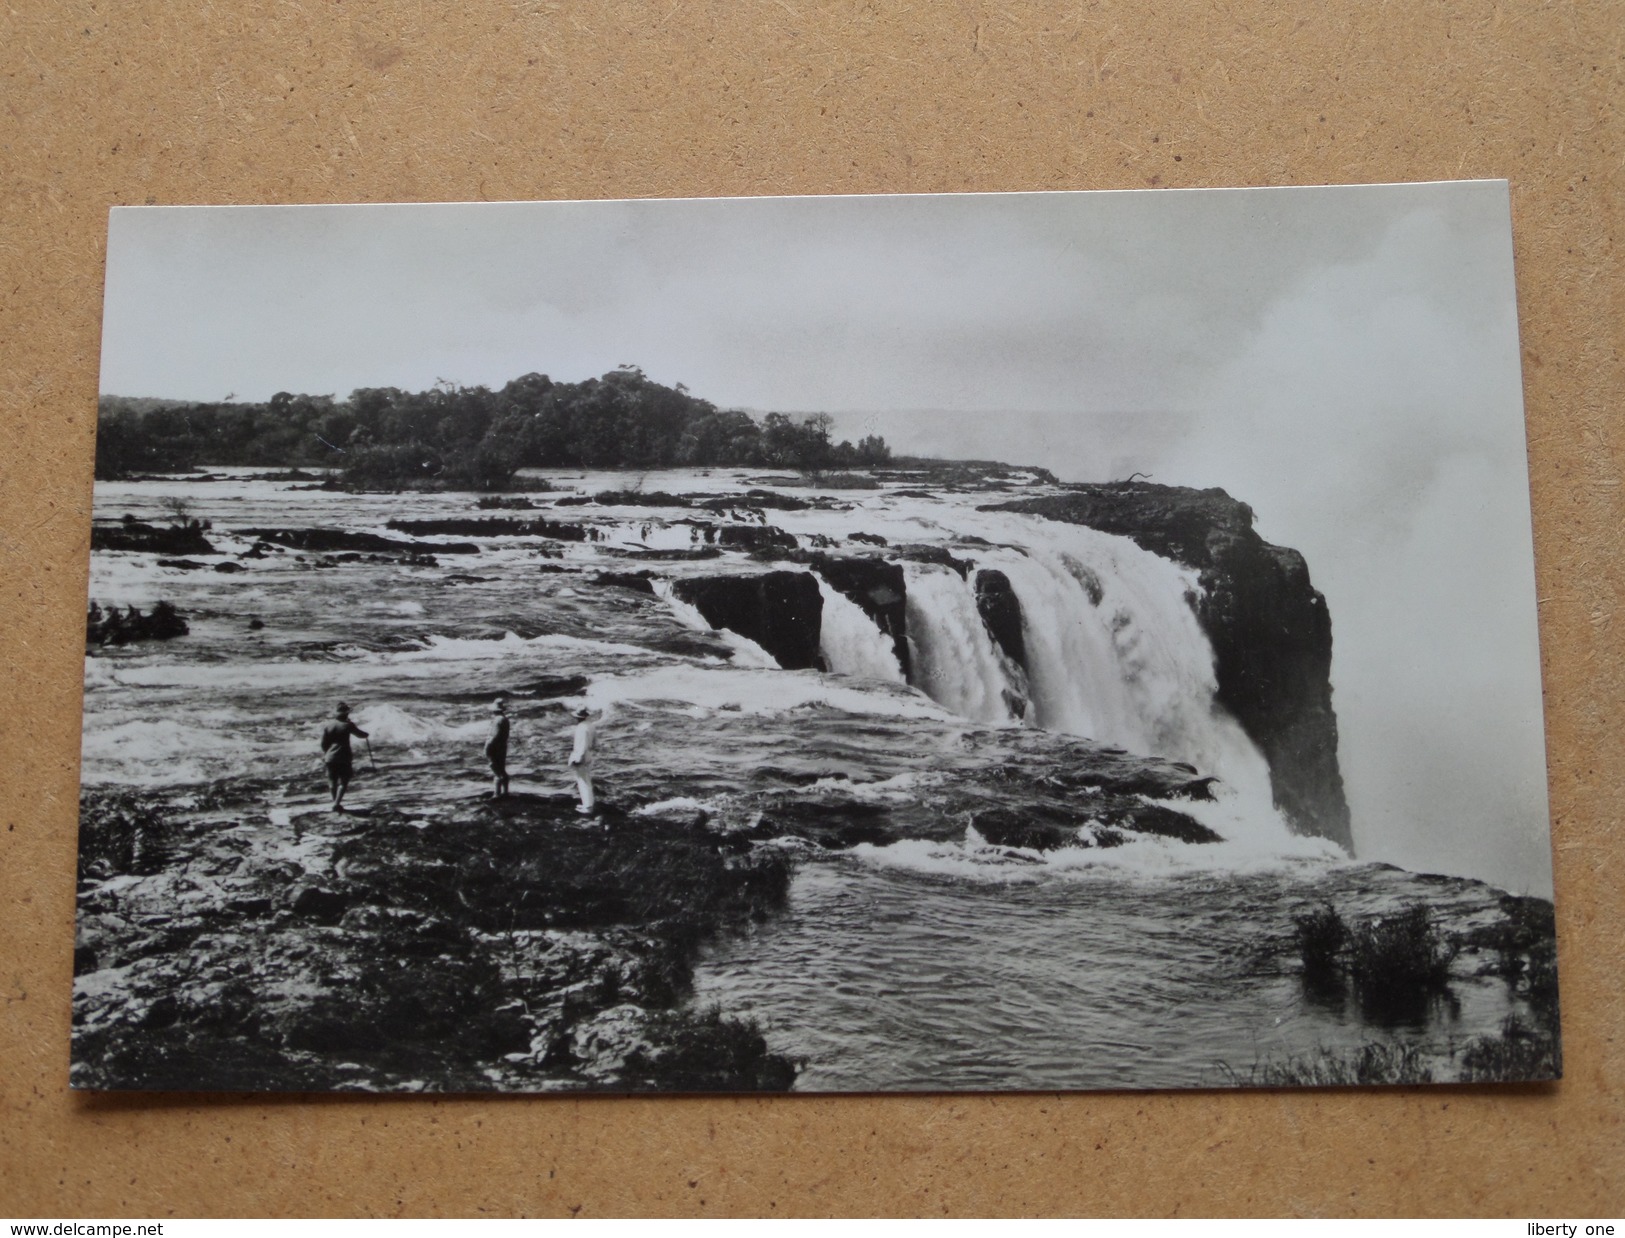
{"x":336,"y":756}
{"x":581,"y":757}
{"x":496,"y":748}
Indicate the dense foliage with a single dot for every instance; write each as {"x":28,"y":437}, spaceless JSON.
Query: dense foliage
{"x":470,"y":436}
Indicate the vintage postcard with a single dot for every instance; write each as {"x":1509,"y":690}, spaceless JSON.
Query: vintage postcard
{"x":964,"y":642}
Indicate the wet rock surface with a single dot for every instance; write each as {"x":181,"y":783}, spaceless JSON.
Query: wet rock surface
{"x":781,"y":611}
{"x":178,"y":539}
{"x":493,"y":526}
{"x":877,"y":586}
{"x":465,"y":947}
{"x":114,"y":625}
{"x":1270,"y":629}
{"x":465,"y":944}
{"x":330,"y":540}
{"x":1000,"y":609}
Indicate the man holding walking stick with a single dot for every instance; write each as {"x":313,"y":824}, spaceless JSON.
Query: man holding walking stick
{"x":336,"y":755}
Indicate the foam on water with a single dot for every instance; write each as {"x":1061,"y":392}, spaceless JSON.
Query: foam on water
{"x":898,"y":788}
{"x":156,"y":752}
{"x":391,"y":724}
{"x":510,"y":644}
{"x":757,"y":691}
{"x":686,"y":804}
{"x":1140,"y":856}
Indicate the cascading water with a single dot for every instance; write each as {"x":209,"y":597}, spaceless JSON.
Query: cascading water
{"x":1134,"y":668}
{"x":851,"y":642}
{"x":955,"y":661}
{"x":1113,"y":652}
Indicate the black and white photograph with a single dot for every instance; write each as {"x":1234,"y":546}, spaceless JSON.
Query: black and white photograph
{"x":969,"y":642}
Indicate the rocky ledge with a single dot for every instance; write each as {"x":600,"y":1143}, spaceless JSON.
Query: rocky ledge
{"x":1269,"y":627}
{"x":466,"y":947}
{"x":462,"y":944}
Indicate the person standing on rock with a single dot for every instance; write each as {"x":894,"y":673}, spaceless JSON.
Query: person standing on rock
{"x":581,"y":754}
{"x":496,"y":748}
{"x":336,"y":755}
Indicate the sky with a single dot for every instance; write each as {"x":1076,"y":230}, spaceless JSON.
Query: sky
{"x":1345,"y":360}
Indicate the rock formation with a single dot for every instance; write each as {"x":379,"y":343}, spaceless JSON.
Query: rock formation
{"x":781,"y":611}
{"x":1270,"y":629}
{"x":175,"y":539}
{"x":1000,"y":609}
{"x":875,"y":585}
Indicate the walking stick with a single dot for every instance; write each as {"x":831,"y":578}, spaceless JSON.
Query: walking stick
{"x":370,"y":761}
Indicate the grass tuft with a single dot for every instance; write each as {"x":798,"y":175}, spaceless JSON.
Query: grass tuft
{"x":1375,"y":1062}
{"x":1520,"y":1053}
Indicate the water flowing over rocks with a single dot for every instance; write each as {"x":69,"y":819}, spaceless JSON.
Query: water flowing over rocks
{"x":113,"y":626}
{"x":1001,"y":611}
{"x":325,"y":541}
{"x":1270,"y":629}
{"x":780,"y":611}
{"x":999,"y":684}
{"x":876,"y":586}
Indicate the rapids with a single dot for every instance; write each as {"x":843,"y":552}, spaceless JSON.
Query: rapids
{"x":931,"y":959}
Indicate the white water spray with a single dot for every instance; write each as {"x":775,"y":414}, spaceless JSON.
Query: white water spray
{"x":955,"y":661}
{"x":851,"y":642}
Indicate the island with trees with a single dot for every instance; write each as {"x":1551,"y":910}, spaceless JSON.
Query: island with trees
{"x":470,"y":437}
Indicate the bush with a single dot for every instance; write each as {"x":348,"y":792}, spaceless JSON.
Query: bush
{"x":488,"y":465}
{"x":391,"y":464}
{"x":1321,"y":936}
{"x":1400,"y":953}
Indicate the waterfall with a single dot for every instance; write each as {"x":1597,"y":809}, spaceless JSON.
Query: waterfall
{"x":955,"y":661}
{"x":851,"y":642}
{"x":1116,"y":653}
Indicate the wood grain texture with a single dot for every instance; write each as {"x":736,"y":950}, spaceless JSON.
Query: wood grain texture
{"x":382,"y":100}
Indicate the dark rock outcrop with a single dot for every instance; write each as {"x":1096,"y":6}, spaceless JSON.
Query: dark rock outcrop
{"x":757,"y":499}
{"x":1000,"y":609}
{"x":937,"y":555}
{"x":637,"y":498}
{"x":755,"y":537}
{"x":174,"y":539}
{"x":875,"y":585}
{"x":548,"y":957}
{"x":781,"y":611}
{"x":123,"y":627}
{"x":326,"y":541}
{"x":505,"y":503}
{"x":638,"y":582}
{"x":1269,"y":627}
{"x":492,"y":526}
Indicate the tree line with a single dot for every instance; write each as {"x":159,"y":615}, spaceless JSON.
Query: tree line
{"x":470,"y":436}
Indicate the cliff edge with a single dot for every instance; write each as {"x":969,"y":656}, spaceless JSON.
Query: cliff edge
{"x":1269,"y":627}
